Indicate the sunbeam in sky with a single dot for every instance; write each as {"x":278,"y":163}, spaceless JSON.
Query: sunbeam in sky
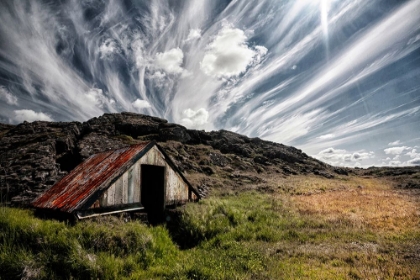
{"x":339,"y":79}
{"x":324,"y":6}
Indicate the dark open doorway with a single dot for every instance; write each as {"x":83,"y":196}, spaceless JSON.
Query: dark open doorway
{"x":153,"y":191}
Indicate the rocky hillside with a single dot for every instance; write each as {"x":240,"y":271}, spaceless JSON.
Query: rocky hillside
{"x":33,"y":156}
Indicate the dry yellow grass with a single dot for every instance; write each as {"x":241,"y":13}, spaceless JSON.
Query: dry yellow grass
{"x":364,"y":202}
{"x":370,"y":229}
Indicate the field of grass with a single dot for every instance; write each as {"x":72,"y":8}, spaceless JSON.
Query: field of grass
{"x":294,"y":228}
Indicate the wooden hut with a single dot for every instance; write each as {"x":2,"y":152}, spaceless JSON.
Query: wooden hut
{"x":137,"y":178}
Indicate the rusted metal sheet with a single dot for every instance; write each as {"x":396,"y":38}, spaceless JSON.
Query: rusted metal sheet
{"x":76,"y":187}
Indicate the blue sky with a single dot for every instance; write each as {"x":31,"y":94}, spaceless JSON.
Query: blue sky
{"x":339,"y":79}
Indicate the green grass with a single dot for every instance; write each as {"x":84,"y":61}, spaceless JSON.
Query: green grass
{"x":93,"y":249}
{"x":250,"y":235}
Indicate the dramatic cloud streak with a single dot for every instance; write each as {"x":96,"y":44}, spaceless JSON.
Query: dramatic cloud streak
{"x":319,"y":75}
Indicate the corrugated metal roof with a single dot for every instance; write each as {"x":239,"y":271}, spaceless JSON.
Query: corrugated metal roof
{"x":73,"y":190}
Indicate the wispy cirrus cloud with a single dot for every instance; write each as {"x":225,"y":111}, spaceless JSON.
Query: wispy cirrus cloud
{"x":108,"y":48}
{"x":395,"y":143}
{"x":7,"y":97}
{"x":194,"y":34}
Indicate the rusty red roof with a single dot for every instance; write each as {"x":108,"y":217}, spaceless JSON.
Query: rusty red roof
{"x":94,"y":174}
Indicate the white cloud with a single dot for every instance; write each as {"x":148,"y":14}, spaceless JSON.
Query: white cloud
{"x":413,"y":153}
{"x":6,"y":96}
{"x":326,"y":136}
{"x":108,"y":48}
{"x":331,"y":151}
{"x":194,"y":119}
{"x":343,"y":157}
{"x":159,"y":79}
{"x":141,"y":104}
{"x":395,"y":143}
{"x":96,"y":97}
{"x":30,"y":116}
{"x":228,"y":55}
{"x":396,"y":150}
{"x":194,"y":34}
{"x":415,"y":161}
{"x":401,"y":159}
{"x":261,"y":50}
{"x":170,"y":61}
{"x":363,"y":155}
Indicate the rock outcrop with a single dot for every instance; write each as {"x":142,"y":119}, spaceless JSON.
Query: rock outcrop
{"x":33,"y":156}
